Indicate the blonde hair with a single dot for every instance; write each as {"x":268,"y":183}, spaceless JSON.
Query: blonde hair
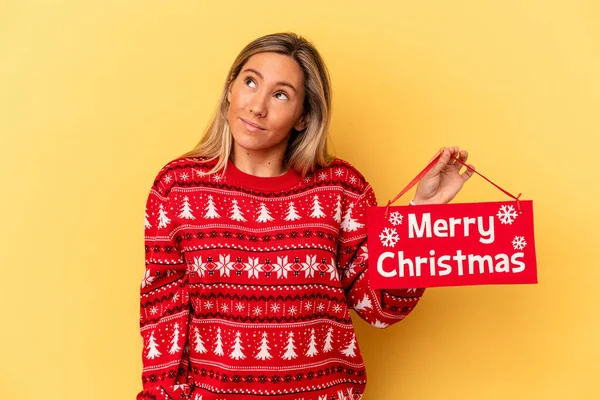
{"x":307,"y":148}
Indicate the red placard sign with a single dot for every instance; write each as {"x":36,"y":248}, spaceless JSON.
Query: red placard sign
{"x":451,"y":245}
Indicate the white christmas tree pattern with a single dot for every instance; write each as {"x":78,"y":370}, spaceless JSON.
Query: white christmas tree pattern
{"x":389,"y":237}
{"x":328,"y":341}
{"x":163,"y":219}
{"x":175,"y":340}
{"x":186,"y":210}
{"x":519,"y":243}
{"x":211,"y":209}
{"x":290,"y":353}
{"x":349,"y":351}
{"x":379,"y":324}
{"x":236,"y":213}
{"x":338,"y":210}
{"x":292,"y":214}
{"x":507,"y":214}
{"x":199,"y":343}
{"x":219,"y":344}
{"x":264,"y":348}
{"x":152,"y":348}
{"x":264,"y":215}
{"x":364,"y":303}
{"x":146,"y":222}
{"x":349,"y":224}
{"x":237,"y":348}
{"x":312,"y":345}
{"x":317,"y":210}
{"x":396,"y":218}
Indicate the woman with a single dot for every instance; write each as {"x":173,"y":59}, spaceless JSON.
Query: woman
{"x":256,"y":244}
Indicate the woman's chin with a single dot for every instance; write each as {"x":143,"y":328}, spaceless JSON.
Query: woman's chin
{"x":243,"y":142}
{"x":259,"y":141}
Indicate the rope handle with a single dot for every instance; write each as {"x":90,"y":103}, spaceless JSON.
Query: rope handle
{"x":428,"y":168}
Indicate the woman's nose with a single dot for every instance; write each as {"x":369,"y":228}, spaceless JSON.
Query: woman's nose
{"x":258,"y":104}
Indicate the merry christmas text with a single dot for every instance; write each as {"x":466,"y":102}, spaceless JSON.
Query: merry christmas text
{"x":448,"y":228}
{"x":444,"y":265}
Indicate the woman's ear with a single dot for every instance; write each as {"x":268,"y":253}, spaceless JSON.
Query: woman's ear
{"x":229,"y":87}
{"x":302,"y":123}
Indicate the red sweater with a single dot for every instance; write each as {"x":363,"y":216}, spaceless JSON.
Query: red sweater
{"x":249,"y":282}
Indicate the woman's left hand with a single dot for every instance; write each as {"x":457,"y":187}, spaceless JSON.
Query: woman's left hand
{"x":443,"y":181}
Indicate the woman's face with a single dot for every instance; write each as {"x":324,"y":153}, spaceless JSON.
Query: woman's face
{"x":266,"y":102}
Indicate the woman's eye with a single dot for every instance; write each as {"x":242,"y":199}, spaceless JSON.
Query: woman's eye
{"x":282,"y":94}
{"x":249,"y":80}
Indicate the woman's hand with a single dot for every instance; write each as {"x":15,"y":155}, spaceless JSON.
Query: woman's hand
{"x":443,"y":181}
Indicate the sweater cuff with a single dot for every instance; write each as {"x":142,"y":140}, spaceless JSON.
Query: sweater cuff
{"x":405,"y":293}
{"x":166,"y":392}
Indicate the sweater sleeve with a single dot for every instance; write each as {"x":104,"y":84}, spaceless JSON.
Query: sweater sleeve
{"x":379,"y":307}
{"x":164,"y":300}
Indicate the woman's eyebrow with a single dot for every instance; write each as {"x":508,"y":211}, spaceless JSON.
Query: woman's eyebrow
{"x":278,"y":83}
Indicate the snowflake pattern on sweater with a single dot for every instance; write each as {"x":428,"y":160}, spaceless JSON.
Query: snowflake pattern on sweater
{"x":249,"y":283}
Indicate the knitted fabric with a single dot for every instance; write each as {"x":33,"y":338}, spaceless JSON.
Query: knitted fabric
{"x":249,"y":283}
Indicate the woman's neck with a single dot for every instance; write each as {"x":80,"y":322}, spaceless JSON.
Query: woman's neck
{"x":267,"y":164}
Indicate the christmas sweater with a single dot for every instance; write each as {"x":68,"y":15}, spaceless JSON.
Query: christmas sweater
{"x":249,"y":283}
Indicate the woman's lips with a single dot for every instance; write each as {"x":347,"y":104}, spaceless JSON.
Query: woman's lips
{"x":251,"y":127}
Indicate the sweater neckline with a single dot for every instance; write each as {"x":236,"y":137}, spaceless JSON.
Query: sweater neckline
{"x":272,"y":183}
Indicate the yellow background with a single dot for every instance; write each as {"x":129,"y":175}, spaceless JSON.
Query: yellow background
{"x":96,"y":96}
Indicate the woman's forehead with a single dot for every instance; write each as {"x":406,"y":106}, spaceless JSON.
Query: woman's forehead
{"x":275,"y":67}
